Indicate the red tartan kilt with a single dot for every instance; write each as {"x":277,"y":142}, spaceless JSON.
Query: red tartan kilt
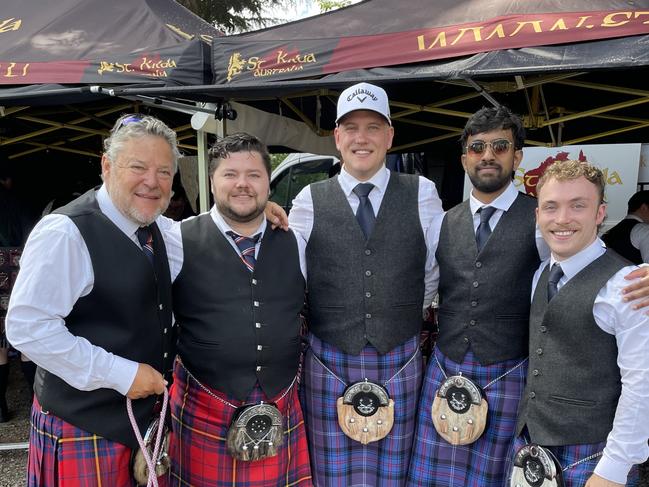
{"x":62,"y":454}
{"x":198,"y":441}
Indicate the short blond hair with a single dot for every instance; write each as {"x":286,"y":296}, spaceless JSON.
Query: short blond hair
{"x":572,"y":169}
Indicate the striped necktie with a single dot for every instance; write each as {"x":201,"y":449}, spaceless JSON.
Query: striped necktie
{"x":145,"y":237}
{"x":246,"y":246}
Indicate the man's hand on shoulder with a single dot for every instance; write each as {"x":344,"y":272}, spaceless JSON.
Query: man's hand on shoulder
{"x":276,"y":215}
{"x":147,"y":381}
{"x":597,"y":481}
{"x":639,"y":288}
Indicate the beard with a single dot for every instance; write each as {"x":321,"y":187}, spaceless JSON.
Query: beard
{"x":131,"y":212}
{"x":240,"y":216}
{"x":489,"y":184}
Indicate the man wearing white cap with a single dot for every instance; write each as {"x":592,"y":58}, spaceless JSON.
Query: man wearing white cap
{"x":369,"y":254}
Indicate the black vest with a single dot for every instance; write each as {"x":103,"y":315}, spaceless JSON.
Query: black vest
{"x":573,"y":381}
{"x":618,"y":238}
{"x":362,"y":291}
{"x":128,"y":313}
{"x":237,"y":327}
{"x":485,"y":298}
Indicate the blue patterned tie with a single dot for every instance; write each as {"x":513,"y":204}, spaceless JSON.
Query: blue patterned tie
{"x":484,"y":229}
{"x":246,"y":246}
{"x":556,"y":273}
{"x":365,"y":213}
{"x":145,"y":238}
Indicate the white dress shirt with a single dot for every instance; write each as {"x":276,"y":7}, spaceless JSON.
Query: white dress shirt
{"x":55,"y":271}
{"x":627,"y":442}
{"x":300,"y":219}
{"x":173,"y":240}
{"x":640,"y":237}
{"x":502,"y":203}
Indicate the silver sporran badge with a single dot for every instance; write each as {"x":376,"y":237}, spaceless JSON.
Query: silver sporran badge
{"x":365,"y":412}
{"x":256,"y":432}
{"x":459,"y":411}
{"x":535,"y":466}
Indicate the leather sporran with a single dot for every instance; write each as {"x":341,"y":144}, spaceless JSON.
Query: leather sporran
{"x":535,"y":466}
{"x":162,"y":462}
{"x":459,"y":411}
{"x":256,"y":432}
{"x":365,"y":412}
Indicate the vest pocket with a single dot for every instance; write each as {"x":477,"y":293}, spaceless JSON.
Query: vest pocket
{"x":573,"y":402}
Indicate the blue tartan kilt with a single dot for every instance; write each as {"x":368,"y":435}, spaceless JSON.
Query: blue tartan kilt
{"x":434,"y":461}
{"x":337,"y":460}
{"x":577,"y":475}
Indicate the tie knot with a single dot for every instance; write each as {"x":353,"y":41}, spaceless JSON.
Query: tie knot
{"x":486,"y":213}
{"x":242,"y":242}
{"x":363,"y":189}
{"x":144,"y":236}
{"x":556,"y":273}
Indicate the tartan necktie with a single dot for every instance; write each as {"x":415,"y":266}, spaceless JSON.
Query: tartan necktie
{"x":145,"y":237}
{"x":484,"y":229}
{"x":365,"y":213}
{"x":556,"y":273}
{"x":246,"y":246}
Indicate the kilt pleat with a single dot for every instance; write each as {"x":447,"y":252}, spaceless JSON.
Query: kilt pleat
{"x":435,"y":462}
{"x":577,"y":475}
{"x":198,"y":442}
{"x":336,"y":459}
{"x":61,"y":454}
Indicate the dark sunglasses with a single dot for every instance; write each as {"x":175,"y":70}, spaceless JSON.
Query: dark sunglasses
{"x":498,"y":146}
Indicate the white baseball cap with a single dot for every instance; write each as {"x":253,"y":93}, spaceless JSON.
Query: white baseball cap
{"x":363,"y":96}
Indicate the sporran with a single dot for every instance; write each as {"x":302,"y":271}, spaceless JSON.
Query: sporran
{"x":459,"y":411}
{"x":365,"y":412}
{"x":536,"y":466}
{"x":256,"y":432}
{"x":162,"y":462}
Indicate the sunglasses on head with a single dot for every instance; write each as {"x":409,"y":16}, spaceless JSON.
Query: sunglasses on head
{"x":130,"y":119}
{"x":498,"y":146}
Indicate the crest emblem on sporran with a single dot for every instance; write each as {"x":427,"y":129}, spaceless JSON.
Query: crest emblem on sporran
{"x":256,"y":432}
{"x":365,"y":412}
{"x":459,"y":411}
{"x":535,"y":466}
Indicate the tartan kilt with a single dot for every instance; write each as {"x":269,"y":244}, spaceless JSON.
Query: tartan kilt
{"x":567,"y":455}
{"x":61,"y":454}
{"x":337,"y":460}
{"x":479,"y":464}
{"x":198,"y":450}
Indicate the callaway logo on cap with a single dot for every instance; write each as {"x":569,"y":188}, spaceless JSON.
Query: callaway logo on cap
{"x":363,"y":96}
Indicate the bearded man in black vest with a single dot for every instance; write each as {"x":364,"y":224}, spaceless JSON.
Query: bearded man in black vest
{"x":92,"y":308}
{"x":238,"y":293}
{"x":584,"y":413}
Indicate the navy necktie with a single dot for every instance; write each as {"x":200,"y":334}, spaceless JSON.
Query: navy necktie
{"x":365,"y":213}
{"x":484,"y":230}
{"x":145,"y":238}
{"x":556,"y":273}
{"x":246,"y":246}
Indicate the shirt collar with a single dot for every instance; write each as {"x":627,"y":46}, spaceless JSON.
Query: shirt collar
{"x":379,"y":180}
{"x":109,"y":209}
{"x":573,"y":265}
{"x":502,"y":202}
{"x":634,"y":217}
{"x":224,"y":227}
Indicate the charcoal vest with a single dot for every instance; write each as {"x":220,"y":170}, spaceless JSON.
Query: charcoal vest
{"x":238,"y":327}
{"x":573,"y":381}
{"x":366,"y":291}
{"x":127,"y":312}
{"x":484,"y":297}
{"x":618,"y":238}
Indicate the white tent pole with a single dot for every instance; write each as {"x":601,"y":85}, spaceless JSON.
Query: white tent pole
{"x":203,"y":179}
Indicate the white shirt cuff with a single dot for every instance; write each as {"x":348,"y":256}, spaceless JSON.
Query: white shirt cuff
{"x":122,"y":374}
{"x":613,"y":470}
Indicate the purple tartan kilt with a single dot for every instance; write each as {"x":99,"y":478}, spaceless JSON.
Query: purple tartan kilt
{"x":62,"y":454}
{"x":567,"y":455}
{"x":337,"y":460}
{"x":198,"y":451}
{"x":436,"y":462}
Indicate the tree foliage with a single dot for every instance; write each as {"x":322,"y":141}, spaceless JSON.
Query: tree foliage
{"x":232,"y":15}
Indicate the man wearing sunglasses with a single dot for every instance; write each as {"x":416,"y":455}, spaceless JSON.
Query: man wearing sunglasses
{"x":489,"y":248}
{"x":92,"y":308}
